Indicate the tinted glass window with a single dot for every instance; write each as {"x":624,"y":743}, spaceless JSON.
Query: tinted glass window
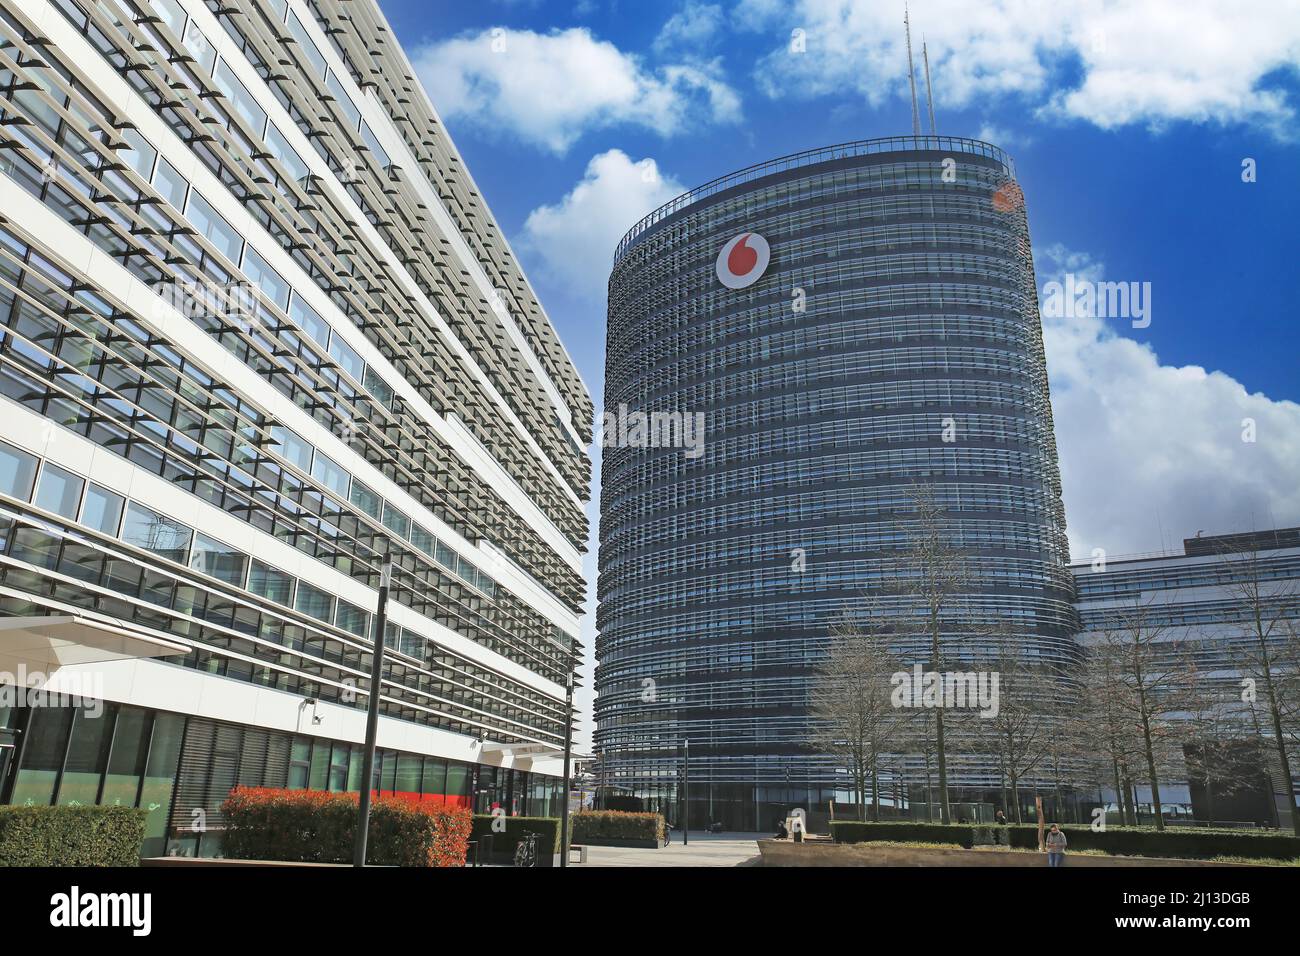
{"x":102,"y":509}
{"x":151,"y":531}
{"x":59,"y":491}
{"x":17,"y":472}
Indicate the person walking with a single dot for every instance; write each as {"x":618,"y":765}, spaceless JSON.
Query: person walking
{"x":1056,"y":844}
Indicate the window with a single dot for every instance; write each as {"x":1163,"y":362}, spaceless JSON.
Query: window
{"x":351,"y":618}
{"x":171,"y":185}
{"x":368,"y":136}
{"x":266,"y":278}
{"x":339,"y":756}
{"x":365,"y":499}
{"x":299,"y":761}
{"x":126,"y":765}
{"x":87,"y":757}
{"x":219,"y":560}
{"x":59,"y":491}
{"x":171,"y":14}
{"x":314,"y":59}
{"x":209,"y":224}
{"x":331,"y":475}
{"x":347,"y":357}
{"x":395,"y":521}
{"x":149,"y":530}
{"x":203,"y":51}
{"x":309,"y":321}
{"x":314,"y":602}
{"x":350,"y":111}
{"x":240,"y":98}
{"x":102,"y":509}
{"x":43,"y":755}
{"x":17,"y":472}
{"x":140,"y":156}
{"x":279,"y":147}
{"x":294,"y":448}
{"x":160,"y":778}
{"x":271,"y":584}
{"x":377,"y":387}
{"x":422,"y":539}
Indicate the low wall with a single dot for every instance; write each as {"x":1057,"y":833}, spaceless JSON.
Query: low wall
{"x":788,"y":853}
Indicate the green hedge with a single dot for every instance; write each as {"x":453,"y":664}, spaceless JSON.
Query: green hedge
{"x":855,"y":831}
{"x":591,"y":826}
{"x":547,"y":828}
{"x":71,"y":836}
{"x":1181,"y":842}
{"x":315,"y":826}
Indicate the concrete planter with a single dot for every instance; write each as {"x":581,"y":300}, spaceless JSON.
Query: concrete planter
{"x":623,"y":844}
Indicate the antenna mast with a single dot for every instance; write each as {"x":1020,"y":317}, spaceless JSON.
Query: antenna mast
{"x":929,"y":96}
{"x":911,"y":75}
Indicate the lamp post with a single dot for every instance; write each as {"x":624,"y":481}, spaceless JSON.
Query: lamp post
{"x":686,"y":794}
{"x":372,"y":715}
{"x":568,"y":750}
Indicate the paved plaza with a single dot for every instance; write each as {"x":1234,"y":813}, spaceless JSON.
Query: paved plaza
{"x":705,"y":849}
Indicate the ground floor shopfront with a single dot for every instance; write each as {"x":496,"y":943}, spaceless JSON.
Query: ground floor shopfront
{"x":757,"y":808}
{"x":181,"y":768}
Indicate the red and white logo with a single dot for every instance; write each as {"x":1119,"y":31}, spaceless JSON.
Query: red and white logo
{"x":743,"y":260}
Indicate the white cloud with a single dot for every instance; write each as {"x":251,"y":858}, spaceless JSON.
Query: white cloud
{"x":574,"y":239}
{"x":1147,"y":447}
{"x":691,"y":27}
{"x":1137,"y":61}
{"x":1001,"y":136}
{"x":549,"y":89}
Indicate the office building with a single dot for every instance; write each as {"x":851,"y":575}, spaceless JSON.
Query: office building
{"x":846,"y":324}
{"x":1196,"y":609}
{"x":260,"y":331}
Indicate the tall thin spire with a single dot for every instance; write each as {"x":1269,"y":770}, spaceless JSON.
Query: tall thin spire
{"x":929,"y":96}
{"x":911,"y":74}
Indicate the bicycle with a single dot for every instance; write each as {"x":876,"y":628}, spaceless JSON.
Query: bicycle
{"x":526,"y":850}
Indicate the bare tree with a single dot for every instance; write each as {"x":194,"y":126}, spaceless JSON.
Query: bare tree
{"x":936,"y":573}
{"x":915,"y":735}
{"x":1218,"y":739}
{"x":851,"y":700}
{"x":1104,"y":731}
{"x":1266,"y":607}
{"x":1019,"y":729}
{"x":1154,"y":678}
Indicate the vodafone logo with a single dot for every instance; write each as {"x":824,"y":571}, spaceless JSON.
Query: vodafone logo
{"x":743,"y":260}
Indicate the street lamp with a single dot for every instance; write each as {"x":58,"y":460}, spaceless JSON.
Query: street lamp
{"x":372,"y":714}
{"x":686,"y":793}
{"x":568,"y":750}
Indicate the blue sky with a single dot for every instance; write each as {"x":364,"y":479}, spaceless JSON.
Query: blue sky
{"x":1129,"y":123}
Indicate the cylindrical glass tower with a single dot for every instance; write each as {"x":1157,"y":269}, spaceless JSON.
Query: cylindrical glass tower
{"x":850,"y":322}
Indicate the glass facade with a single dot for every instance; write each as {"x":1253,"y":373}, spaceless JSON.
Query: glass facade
{"x":177,"y":768}
{"x":893,"y":340}
{"x":258,"y":334}
{"x":1201,"y":601}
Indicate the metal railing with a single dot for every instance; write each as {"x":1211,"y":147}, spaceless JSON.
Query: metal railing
{"x":811,"y":157}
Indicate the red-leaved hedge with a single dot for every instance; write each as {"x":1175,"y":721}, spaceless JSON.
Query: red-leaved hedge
{"x":315,"y":826}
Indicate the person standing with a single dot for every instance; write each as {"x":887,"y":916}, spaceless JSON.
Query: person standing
{"x":1056,"y":844}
